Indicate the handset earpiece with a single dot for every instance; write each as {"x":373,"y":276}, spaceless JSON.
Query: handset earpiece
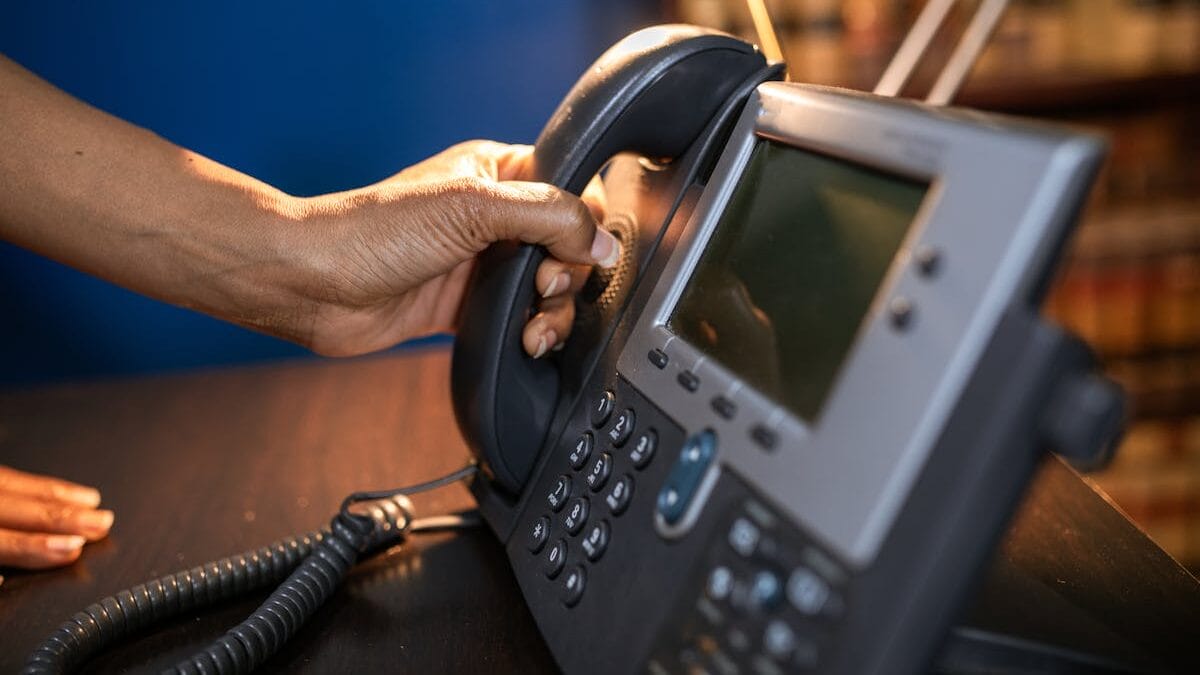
{"x":652,"y":94}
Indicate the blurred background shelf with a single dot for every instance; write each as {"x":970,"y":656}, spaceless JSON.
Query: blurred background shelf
{"x":1130,"y":281}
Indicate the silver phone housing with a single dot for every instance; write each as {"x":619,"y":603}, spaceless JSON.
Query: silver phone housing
{"x":993,"y":214}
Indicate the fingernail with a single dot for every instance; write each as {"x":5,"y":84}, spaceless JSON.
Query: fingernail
{"x":77,"y":494}
{"x":64,"y":543}
{"x":558,"y":347}
{"x":541,"y":348}
{"x":560,"y":280}
{"x":96,"y":521}
{"x":606,"y":250}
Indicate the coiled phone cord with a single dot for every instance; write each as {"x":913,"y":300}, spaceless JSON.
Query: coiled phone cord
{"x":313,"y":564}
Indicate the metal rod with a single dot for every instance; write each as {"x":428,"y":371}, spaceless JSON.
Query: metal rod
{"x":967,"y":52}
{"x":768,"y":41}
{"x":913,"y":49}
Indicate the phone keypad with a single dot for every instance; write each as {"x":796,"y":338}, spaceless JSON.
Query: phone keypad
{"x":597,"y":470}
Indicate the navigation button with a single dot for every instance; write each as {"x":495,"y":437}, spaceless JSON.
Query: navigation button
{"x":643,"y":448}
{"x":600,"y":471}
{"x":576,"y":515}
{"x":581,"y":450}
{"x":619,"y":495}
{"x":573,"y":585}
{"x":602,"y":408}
{"x":555,"y":559}
{"x":559,"y":493}
{"x":538,"y":534}
{"x":687,"y":474}
{"x":622,"y":428}
{"x":596,"y":541}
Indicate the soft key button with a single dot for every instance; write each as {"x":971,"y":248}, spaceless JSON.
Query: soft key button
{"x":686,"y":477}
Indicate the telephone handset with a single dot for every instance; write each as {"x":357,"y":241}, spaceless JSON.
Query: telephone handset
{"x":651,"y":94}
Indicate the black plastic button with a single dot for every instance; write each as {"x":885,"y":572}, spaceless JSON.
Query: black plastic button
{"x":766,"y":591}
{"x":688,"y":380}
{"x":582,"y":450}
{"x":601,"y":469}
{"x":559,"y":494}
{"x":602,"y":408}
{"x":807,"y":591}
{"x":765,"y":438}
{"x":619,"y":495}
{"x":595,"y":542}
{"x":555,"y":559}
{"x":573,"y":585}
{"x":720,"y":583}
{"x":724,"y":407}
{"x":622,"y":428}
{"x":643,"y":448}
{"x":576,"y":515}
{"x":743,"y":537}
{"x":538,"y":534}
{"x":659,"y":358}
{"x":779,"y":640}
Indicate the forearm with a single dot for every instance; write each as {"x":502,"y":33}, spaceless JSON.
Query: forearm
{"x":104,"y":196}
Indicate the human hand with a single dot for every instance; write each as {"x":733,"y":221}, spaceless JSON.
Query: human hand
{"x":44,"y":521}
{"x":391,"y":261}
{"x":342,"y":274}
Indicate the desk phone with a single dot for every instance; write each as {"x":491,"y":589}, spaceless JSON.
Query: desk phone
{"x":792,"y":423}
{"x":789,"y":425}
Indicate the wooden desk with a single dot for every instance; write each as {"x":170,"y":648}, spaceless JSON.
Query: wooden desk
{"x":200,"y":466}
{"x":204,"y":465}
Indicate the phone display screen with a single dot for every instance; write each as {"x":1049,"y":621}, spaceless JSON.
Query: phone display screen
{"x":791,"y":269}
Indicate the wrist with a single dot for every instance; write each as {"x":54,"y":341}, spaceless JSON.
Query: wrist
{"x":258,"y":267}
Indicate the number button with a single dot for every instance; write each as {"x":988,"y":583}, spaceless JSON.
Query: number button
{"x":538,"y":534}
{"x":602,"y":408}
{"x":596,"y":541}
{"x":559,"y":493}
{"x":581,"y":451}
{"x":576,"y":515}
{"x":619,"y":495}
{"x":556,"y":558}
{"x":622,"y":428}
{"x":643,"y":449}
{"x":601,"y":469}
{"x":573,"y":585}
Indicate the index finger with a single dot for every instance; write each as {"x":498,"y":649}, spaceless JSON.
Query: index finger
{"x":47,"y":487}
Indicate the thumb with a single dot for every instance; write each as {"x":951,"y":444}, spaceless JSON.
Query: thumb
{"x":537,"y":213}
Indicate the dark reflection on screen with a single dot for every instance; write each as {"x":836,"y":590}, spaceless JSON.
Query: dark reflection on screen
{"x":792,"y":268}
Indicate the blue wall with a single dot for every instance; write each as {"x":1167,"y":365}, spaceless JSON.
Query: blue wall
{"x":309,"y":96}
